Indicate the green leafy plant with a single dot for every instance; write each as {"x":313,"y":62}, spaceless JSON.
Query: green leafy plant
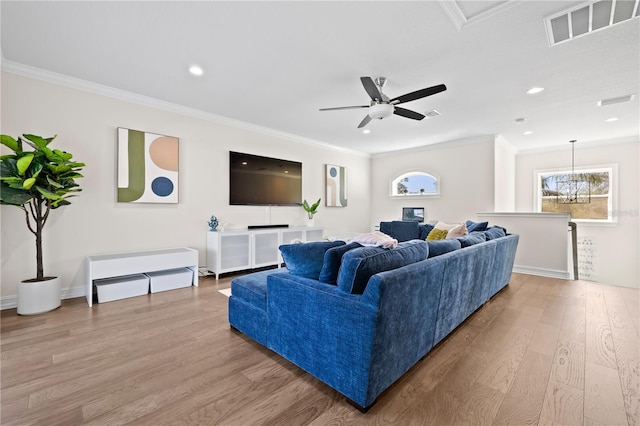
{"x":311,"y":209}
{"x":37,"y":181}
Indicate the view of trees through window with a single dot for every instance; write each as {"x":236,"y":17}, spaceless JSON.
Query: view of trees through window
{"x":417,"y":183}
{"x":593,"y":195}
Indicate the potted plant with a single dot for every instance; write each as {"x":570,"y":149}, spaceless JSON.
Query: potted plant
{"x":37,"y":181}
{"x":311,"y":210}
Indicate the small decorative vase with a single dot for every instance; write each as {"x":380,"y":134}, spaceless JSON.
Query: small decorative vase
{"x":310,"y":220}
{"x":213,"y":223}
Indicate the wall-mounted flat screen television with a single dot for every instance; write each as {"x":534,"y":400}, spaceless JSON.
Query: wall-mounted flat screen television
{"x":264,"y":181}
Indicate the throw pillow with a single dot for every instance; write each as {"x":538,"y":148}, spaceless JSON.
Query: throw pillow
{"x":437,"y":234}
{"x":495,"y":232}
{"x":400,"y":230}
{"x":375,"y":238}
{"x":438,"y":247}
{"x":305,"y":260}
{"x":458,"y":231}
{"x":332,"y":261}
{"x":472,"y":238}
{"x":360,"y":264}
{"x":476,"y":226}
{"x":424,"y":231}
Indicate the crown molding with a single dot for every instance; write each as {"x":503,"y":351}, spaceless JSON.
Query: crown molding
{"x":582,"y":144}
{"x":147,"y":101}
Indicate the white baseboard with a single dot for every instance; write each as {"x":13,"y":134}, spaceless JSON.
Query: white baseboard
{"x":543,"y":272}
{"x":11,"y":302}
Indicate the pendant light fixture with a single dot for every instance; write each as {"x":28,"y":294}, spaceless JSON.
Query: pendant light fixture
{"x":574,"y":188}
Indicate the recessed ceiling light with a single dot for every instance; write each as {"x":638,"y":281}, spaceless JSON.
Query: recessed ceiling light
{"x":609,"y":120}
{"x":535,"y":90}
{"x":528,"y":132}
{"x":366,"y":131}
{"x":196,"y":70}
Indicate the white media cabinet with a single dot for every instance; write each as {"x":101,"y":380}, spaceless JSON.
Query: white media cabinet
{"x":120,"y":264}
{"x":229,"y":251}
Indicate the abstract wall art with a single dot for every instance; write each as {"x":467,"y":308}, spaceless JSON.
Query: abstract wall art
{"x":147,"y":167}
{"x":336,"y":186}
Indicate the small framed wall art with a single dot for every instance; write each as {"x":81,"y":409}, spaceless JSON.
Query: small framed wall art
{"x":147,"y":167}
{"x":336,"y":186}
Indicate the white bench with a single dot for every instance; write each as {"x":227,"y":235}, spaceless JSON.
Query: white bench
{"x":119,"y":264}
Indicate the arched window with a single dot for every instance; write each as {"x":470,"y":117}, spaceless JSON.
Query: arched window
{"x":418,"y":184}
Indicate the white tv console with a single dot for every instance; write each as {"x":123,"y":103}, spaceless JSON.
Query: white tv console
{"x":120,"y":264}
{"x":237,"y":250}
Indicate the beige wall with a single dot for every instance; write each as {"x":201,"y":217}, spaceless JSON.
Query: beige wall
{"x":465,"y":170}
{"x":95,"y":223}
{"x":617,"y":244}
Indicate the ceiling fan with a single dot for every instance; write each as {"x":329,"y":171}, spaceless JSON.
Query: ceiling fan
{"x":381,"y":106}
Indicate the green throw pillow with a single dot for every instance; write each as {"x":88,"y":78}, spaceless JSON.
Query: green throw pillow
{"x":437,"y":234}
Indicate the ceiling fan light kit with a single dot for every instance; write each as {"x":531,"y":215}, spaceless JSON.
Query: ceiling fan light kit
{"x":382,"y":107}
{"x":380,"y":111}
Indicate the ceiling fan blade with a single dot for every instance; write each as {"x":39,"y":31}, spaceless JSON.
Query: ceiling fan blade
{"x":408,"y":113}
{"x":418,"y":94}
{"x":364,"y":121}
{"x":371,"y":88}
{"x":345,"y":107}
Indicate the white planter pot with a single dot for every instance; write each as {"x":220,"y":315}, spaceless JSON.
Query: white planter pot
{"x":38,"y":297}
{"x":310,"y":222}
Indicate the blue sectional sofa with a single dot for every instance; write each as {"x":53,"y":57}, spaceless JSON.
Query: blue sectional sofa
{"x":378,"y":313}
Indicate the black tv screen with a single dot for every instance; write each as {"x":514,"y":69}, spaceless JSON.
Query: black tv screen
{"x":264,"y":181}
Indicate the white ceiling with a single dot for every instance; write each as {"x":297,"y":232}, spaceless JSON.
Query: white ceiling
{"x":274,"y":64}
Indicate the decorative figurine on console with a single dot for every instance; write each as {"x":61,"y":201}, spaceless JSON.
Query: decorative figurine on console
{"x":213,"y":223}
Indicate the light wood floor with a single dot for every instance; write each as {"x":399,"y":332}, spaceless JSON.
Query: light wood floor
{"x":543,"y":351}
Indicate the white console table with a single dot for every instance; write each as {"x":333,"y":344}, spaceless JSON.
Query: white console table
{"x":237,"y":250}
{"x":119,"y":264}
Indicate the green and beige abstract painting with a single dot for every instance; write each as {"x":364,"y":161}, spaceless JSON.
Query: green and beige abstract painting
{"x":147,"y":167}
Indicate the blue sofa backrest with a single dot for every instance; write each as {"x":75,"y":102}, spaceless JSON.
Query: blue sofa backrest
{"x":401,"y":230}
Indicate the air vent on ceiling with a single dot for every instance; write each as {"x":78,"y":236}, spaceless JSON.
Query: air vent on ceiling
{"x":618,"y":100}
{"x":589,"y":17}
{"x":432,"y":113}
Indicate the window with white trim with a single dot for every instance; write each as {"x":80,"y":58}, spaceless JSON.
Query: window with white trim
{"x":596,"y":205}
{"x":415,"y":184}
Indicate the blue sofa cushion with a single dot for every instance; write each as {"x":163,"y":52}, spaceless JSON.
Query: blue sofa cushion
{"x":332,"y":261}
{"x":424,"y":231}
{"x":438,"y":247}
{"x":495,"y":232}
{"x":476,"y":226}
{"x":401,"y":230}
{"x":252,"y":288}
{"x":358,"y":265}
{"x":472,"y":238}
{"x":305,"y":260}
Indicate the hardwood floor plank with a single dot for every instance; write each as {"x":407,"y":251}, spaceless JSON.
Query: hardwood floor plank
{"x":480,"y":407}
{"x":563,"y":405}
{"x":574,"y":322}
{"x":600,"y":349}
{"x":603,"y":400}
{"x":501,"y":371}
{"x":170,"y":358}
{"x":568,"y":364}
{"x":628,"y":357}
{"x":523,"y":402}
{"x":545,"y":339}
